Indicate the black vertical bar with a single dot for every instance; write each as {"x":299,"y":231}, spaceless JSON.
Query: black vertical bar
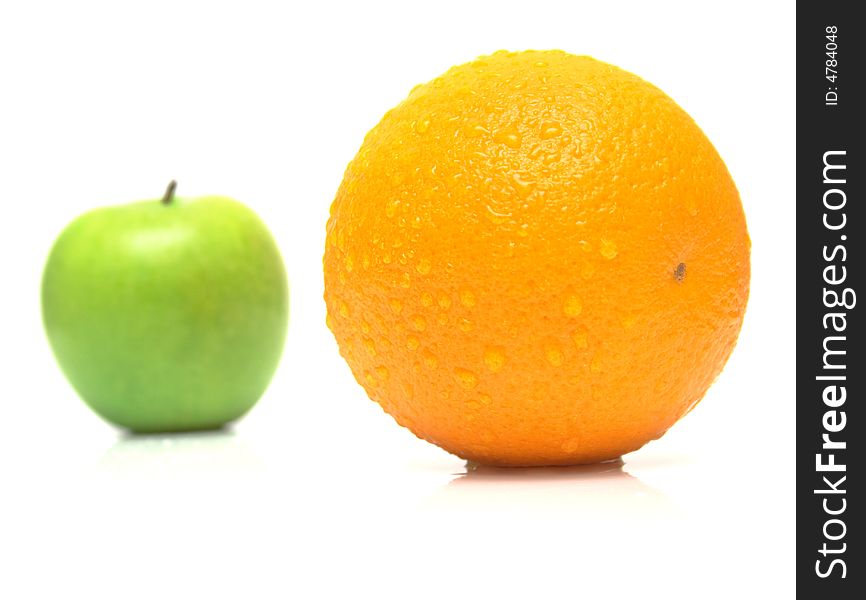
{"x":831,"y":224}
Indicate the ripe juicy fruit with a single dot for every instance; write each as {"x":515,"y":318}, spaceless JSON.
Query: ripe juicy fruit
{"x":167,"y":315}
{"x":536,"y":259}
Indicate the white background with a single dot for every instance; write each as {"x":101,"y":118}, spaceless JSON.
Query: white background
{"x":317,"y":493}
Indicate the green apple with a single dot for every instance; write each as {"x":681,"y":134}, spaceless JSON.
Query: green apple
{"x":167,"y":315}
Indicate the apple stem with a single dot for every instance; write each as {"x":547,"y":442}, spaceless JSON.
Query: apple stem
{"x":169,"y":193}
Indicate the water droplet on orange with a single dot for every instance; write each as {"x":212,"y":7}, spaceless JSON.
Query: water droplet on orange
{"x":419,"y":323}
{"x":422,"y":126}
{"x":430,"y":360}
{"x":550,"y":129}
{"x":412,"y":342}
{"x":467,"y":379}
{"x":391,"y":208}
{"x":551,"y":158}
{"x":554,"y":356}
{"x":509,"y":137}
{"x":423,"y":266}
{"x":494,"y":358}
{"x":608,"y":249}
{"x":572,"y":306}
{"x":497,"y":217}
{"x":467,"y":298}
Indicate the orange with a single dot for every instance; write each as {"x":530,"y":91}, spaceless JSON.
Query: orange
{"x":536,"y":259}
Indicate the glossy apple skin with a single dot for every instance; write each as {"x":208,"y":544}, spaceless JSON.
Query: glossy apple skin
{"x":167,"y":317}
